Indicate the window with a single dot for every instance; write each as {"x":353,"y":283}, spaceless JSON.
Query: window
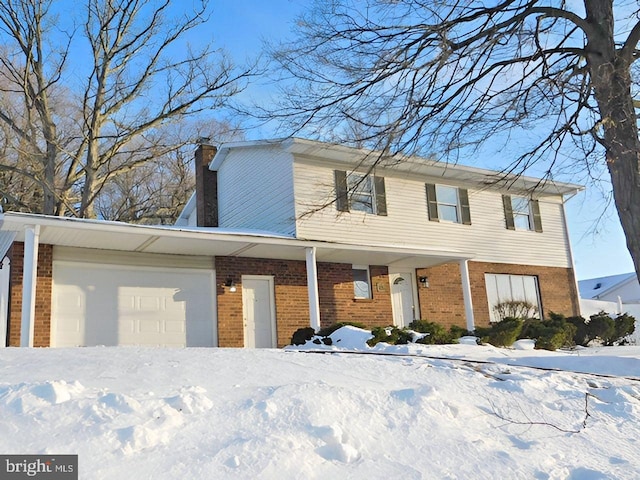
{"x":450,"y":204}
{"x":361,"y":282}
{"x":512,"y":295}
{"x":521,"y":213}
{"x":362,"y":194}
{"x":358,"y":192}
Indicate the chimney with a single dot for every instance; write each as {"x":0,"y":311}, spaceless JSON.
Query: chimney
{"x":206,"y":187}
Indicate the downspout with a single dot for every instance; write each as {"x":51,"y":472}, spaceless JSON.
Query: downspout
{"x":29,"y":280}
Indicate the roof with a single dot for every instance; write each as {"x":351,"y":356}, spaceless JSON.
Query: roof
{"x":416,"y":165}
{"x":594,"y":288}
{"x":212,"y":242}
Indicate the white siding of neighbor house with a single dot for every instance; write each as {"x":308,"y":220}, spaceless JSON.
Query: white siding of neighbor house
{"x":407,"y":222}
{"x":255,"y":190}
{"x":629,"y":292}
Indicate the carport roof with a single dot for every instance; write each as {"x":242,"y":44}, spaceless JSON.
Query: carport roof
{"x":105,"y":235}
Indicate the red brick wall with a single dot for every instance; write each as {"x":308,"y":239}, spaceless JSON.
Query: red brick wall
{"x":292,"y":304}
{"x":42,"y":320}
{"x":335,"y":288}
{"x":442,"y":302}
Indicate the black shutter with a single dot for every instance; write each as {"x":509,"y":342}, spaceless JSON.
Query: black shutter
{"x":464,"y":206}
{"x":537,"y":220}
{"x":432,"y":202}
{"x":342,"y":200}
{"x":380,"y":194}
{"x":508,"y":212}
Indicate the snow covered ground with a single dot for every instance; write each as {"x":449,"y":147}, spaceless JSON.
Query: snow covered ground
{"x":144,"y":413}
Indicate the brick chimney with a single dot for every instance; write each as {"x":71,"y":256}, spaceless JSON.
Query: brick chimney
{"x":206,"y":187}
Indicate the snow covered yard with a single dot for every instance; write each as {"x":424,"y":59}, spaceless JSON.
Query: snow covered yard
{"x":149,"y":413}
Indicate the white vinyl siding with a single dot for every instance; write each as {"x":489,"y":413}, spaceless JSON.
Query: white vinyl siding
{"x":255,"y":190}
{"x":506,"y":288}
{"x":406,"y":222}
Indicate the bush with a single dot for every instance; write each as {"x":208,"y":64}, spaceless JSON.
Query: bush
{"x":436,"y":334}
{"x":501,"y":334}
{"x":326,"y":331}
{"x":520,"y":309}
{"x":302,"y":336}
{"x":551,"y":334}
{"x":625,"y":325}
{"x":391,"y":335}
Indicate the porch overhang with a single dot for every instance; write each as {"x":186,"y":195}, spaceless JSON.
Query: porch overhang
{"x":215,"y":242}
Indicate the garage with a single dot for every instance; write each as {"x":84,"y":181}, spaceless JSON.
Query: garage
{"x":129,"y":302}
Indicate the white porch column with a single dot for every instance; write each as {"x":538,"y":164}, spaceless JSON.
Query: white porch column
{"x":312,"y":287}
{"x":466,"y":295}
{"x":29,"y":277}
{"x":5,"y":273}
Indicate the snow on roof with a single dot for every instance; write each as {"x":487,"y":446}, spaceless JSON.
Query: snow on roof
{"x":594,"y":287}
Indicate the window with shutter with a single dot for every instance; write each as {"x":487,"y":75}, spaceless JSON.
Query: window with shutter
{"x":521,"y":213}
{"x":361,"y":193}
{"x":449,"y":204}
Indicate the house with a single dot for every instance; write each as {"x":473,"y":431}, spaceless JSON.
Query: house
{"x":623,"y":288}
{"x":287,"y":233}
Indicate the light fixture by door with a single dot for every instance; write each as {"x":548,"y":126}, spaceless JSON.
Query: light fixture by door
{"x":231,"y":285}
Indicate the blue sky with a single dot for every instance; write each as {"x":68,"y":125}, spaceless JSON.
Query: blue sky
{"x":596,"y":235}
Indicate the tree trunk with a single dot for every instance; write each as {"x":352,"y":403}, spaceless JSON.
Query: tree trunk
{"x":611,"y":80}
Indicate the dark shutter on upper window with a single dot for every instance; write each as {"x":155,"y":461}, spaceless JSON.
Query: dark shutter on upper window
{"x":508,"y":212}
{"x":463,"y":194}
{"x":432,"y":202}
{"x":380,"y":195}
{"x":537,"y":220}
{"x":342,"y":200}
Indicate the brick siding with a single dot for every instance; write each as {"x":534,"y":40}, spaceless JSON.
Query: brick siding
{"x":335,"y":289}
{"x":442,"y":301}
{"x":42,"y":320}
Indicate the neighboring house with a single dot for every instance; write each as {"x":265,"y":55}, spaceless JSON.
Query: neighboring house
{"x":283,"y":234}
{"x":614,"y":294}
{"x":623,"y":288}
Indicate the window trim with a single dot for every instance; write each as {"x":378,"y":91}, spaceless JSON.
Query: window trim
{"x":463,"y":210}
{"x":344,"y":192}
{"x":535,"y":220}
{"x":510,"y":277}
{"x":368,"y":272}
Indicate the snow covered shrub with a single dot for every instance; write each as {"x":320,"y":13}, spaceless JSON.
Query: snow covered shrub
{"x":625,"y":325}
{"x":551,"y":334}
{"x":326,"y":331}
{"x":515,"y":309}
{"x":501,"y":334}
{"x":391,"y":335}
{"x":302,"y":336}
{"x":436,"y":334}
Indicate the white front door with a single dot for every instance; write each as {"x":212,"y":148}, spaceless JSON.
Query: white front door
{"x":258,"y":306}
{"x":402,"y":298}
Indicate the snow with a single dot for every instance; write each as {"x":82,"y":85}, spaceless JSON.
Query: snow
{"x":417,"y":411}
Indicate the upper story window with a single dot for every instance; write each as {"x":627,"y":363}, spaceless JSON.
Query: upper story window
{"x":521,"y":213}
{"x":358,"y":192}
{"x":449,"y":204}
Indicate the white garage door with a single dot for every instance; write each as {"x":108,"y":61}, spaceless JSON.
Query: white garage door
{"x":96,"y":304}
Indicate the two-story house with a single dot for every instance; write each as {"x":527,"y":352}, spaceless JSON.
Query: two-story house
{"x":288,"y":233}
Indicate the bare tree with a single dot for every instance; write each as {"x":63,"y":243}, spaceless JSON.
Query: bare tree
{"x":133,"y":76}
{"x":422,"y":76}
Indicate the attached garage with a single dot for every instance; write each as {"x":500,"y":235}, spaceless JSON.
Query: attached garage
{"x":131,"y":299}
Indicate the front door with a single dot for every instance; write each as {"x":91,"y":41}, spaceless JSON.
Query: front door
{"x":258,"y":311}
{"x":402,"y":298}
